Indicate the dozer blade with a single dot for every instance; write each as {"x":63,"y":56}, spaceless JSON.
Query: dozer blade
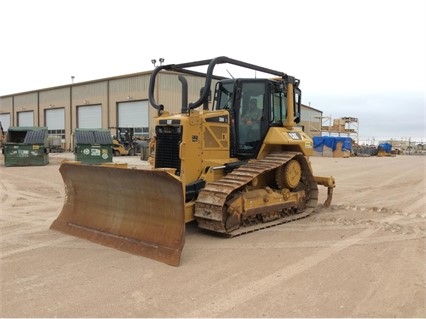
{"x":133,"y":210}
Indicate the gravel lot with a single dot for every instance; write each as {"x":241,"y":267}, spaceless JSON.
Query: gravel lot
{"x":362,"y":257}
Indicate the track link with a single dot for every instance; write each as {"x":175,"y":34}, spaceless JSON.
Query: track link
{"x":211,"y":208}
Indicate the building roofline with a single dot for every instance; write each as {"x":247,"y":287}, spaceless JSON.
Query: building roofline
{"x":312,"y":108}
{"x":80,"y":83}
{"x":92,"y":81}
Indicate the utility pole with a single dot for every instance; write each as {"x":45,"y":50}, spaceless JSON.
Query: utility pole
{"x":409,"y":146}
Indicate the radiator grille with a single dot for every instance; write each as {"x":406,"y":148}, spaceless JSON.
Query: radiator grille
{"x":167,"y":147}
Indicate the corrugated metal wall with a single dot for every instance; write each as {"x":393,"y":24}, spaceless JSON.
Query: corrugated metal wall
{"x":311,"y":121}
{"x":52,"y":99}
{"x":27,"y":100}
{"x":6,"y":104}
{"x":6,"y":111}
{"x":95,"y":92}
{"x":55,"y":97}
{"x":27,"y":103}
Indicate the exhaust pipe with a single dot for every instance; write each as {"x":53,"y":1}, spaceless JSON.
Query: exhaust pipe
{"x":184,"y":82}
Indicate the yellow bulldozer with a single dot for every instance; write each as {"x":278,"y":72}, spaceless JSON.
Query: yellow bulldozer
{"x":230,"y":166}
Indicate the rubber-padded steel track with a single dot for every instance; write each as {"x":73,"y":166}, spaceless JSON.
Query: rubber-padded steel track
{"x":210,"y":207}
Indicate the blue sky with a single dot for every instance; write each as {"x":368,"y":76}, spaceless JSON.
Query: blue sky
{"x":363,"y":59}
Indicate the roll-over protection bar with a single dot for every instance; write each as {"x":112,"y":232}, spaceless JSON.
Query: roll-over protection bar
{"x":182,"y":68}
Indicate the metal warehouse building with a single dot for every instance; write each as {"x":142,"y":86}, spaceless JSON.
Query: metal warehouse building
{"x":120,"y":101}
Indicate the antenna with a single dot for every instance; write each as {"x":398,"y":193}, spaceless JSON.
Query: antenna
{"x":229,"y":73}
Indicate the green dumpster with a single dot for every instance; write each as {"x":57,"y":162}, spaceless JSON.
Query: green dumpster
{"x":26,"y":146}
{"x":93,"y":146}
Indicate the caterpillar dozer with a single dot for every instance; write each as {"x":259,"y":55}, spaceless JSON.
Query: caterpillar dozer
{"x":229,"y":175}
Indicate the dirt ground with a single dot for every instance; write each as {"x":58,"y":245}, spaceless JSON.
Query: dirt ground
{"x":362,"y":257}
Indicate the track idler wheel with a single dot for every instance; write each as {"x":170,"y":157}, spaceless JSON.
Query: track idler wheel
{"x":289,"y":175}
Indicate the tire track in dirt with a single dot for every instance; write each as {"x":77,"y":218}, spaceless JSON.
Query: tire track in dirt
{"x":14,"y":196}
{"x":8,"y":194}
{"x":28,"y":204}
{"x":368,"y":192}
{"x":365,"y":220}
{"x":49,"y":243}
{"x":34,"y":206}
{"x":358,"y":183}
{"x":57,"y":185}
{"x":406,"y":227}
{"x":254,"y":289}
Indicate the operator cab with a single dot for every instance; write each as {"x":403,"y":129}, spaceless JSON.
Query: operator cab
{"x":254,"y":105}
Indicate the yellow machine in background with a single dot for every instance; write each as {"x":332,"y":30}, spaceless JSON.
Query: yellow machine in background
{"x":233,"y":167}
{"x":2,"y":136}
{"x":124,"y":142}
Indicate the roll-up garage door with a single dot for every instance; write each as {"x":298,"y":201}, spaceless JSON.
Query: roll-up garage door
{"x":26,"y":118}
{"x":134,"y":115}
{"x":55,"y":119}
{"x":89,"y":116}
{"x":5,"y":121}
{"x":55,"y":122}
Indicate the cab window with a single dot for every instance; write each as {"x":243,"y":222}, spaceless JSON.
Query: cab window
{"x":224,"y":95}
{"x":278,"y":109}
